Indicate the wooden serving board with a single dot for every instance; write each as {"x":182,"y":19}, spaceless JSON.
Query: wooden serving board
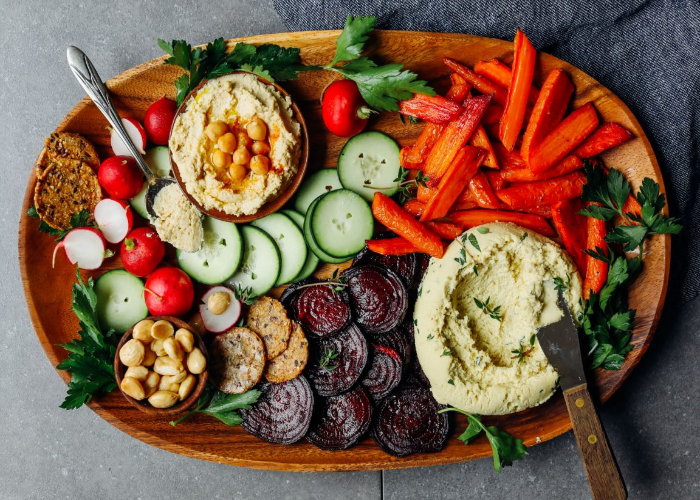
{"x":48,"y":291}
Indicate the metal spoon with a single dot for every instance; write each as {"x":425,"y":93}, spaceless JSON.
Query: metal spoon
{"x":87,"y":75}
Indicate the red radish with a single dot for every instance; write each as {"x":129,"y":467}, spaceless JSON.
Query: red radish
{"x":121,"y":177}
{"x":142,"y":251}
{"x":84,"y":246}
{"x":159,"y":119}
{"x":345,"y":112}
{"x":114,"y":219}
{"x":136,"y":133}
{"x":168,"y":292}
{"x":219,"y":323}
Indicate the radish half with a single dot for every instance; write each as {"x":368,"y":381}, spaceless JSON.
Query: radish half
{"x":219,"y":323}
{"x":84,"y":246}
{"x":114,"y":218}
{"x":136,"y":133}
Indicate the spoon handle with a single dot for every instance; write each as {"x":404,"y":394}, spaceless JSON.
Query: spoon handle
{"x":602,"y":470}
{"x":88,"y":78}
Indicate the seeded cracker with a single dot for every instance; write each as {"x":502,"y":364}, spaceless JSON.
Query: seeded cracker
{"x":291,"y":362}
{"x":65,"y":188}
{"x":268,"y":318}
{"x":67,"y":145}
{"x":237,"y":360}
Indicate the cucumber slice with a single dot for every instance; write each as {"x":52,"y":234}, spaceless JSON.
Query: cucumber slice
{"x":260,"y":266}
{"x":290,"y":242}
{"x":341,"y":223}
{"x":313,"y":246}
{"x":120,"y":302}
{"x":369,"y":163}
{"x":311,"y":260}
{"x":316,"y":184}
{"x":158,"y":159}
{"x":219,"y":256}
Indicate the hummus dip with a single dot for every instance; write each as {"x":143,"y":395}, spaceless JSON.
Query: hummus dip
{"x":238,"y":99}
{"x":466,"y":351}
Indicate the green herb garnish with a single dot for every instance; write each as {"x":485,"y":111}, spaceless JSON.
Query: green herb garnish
{"x":560,"y":285}
{"x":244,"y":294}
{"x":327,"y":356}
{"x":493,"y":312}
{"x":221,"y":405}
{"x":80,"y":219}
{"x":524,"y":350}
{"x":475,"y":243}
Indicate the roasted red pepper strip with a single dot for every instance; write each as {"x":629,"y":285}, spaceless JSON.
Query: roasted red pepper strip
{"x":547,"y":192}
{"x":389,"y":213}
{"x":483,"y":194}
{"x":461,"y":170}
{"x":453,"y":138}
{"x":476,"y":217}
{"x":548,"y":110}
{"x":392,"y":246}
{"x":446,"y":230}
{"x":480,"y":83}
{"x":572,"y":229}
{"x":607,"y":136}
{"x":500,"y":73}
{"x":414,"y":207}
{"x":564,"y":138}
{"x":516,"y":105}
{"x":432,"y":109}
{"x":596,"y":270}
{"x":569,"y":164}
{"x":481,"y":140}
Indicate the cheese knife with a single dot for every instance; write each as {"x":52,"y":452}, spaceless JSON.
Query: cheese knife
{"x":560,"y":344}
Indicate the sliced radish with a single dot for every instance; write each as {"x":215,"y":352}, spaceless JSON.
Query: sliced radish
{"x":136,"y":133}
{"x":114,"y":218}
{"x":84,"y":246}
{"x":219,"y":323}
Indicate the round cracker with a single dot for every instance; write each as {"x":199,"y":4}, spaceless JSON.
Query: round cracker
{"x":268,"y":318}
{"x":291,"y":362}
{"x":65,"y":188}
{"x":75,"y":146}
{"x":237,"y":360}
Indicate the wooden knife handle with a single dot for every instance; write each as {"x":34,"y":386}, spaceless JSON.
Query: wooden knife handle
{"x":599,"y":462}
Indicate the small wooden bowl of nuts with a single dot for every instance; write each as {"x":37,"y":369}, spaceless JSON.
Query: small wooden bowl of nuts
{"x":161,"y":366}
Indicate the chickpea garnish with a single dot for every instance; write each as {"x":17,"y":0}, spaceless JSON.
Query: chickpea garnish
{"x":243,"y":140}
{"x":257,"y":130}
{"x":215,"y":130}
{"x":220,"y":159}
{"x":227,"y":143}
{"x":260,"y":164}
{"x":241,"y":156}
{"x":260,"y":148}
{"x":237,"y":172}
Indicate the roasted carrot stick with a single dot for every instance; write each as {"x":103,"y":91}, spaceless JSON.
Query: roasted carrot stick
{"x":405,"y":163}
{"x":548,"y":110}
{"x":607,"y":136}
{"x":414,"y":207}
{"x":493,"y":114}
{"x":446,"y":230}
{"x":572,"y":229}
{"x":544,"y":210}
{"x":433,"y":109}
{"x":387,"y":212}
{"x":476,"y":217}
{"x":453,"y":137}
{"x":481,"y":140}
{"x":596,"y":270}
{"x":458,"y":174}
{"x":459,"y":88}
{"x":496,"y":179}
{"x":483,"y":194}
{"x":424,"y":194}
{"x":547,"y":192}
{"x":463,"y":205}
{"x":508,"y":160}
{"x":516,"y":105}
{"x":564,"y":138}
{"x":499,"y":73}
{"x":480,"y":83}
{"x":569,"y":164}
{"x":392,"y":246}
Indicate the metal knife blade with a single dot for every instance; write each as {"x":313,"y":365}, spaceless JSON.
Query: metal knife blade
{"x":560,"y":344}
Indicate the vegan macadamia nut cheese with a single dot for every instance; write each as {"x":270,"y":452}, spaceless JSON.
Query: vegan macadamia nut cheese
{"x":477,"y":311}
{"x":178,"y":222}
{"x":237,"y":145}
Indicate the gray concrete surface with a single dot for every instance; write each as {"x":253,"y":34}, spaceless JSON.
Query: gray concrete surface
{"x":50,"y":453}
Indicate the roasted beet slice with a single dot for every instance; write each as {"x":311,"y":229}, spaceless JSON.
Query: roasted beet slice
{"x":408,"y":422}
{"x":403,"y":265}
{"x":422,"y":261}
{"x":384,"y":373}
{"x":398,"y":340}
{"x":345,"y":369}
{"x":415,"y":376}
{"x":340,"y":421}
{"x":282,"y":414}
{"x":321,"y":310}
{"x":379,"y":298}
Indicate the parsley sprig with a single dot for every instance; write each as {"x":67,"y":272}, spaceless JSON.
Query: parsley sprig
{"x":506,"y":448}
{"x":221,"y":405}
{"x":91,"y":356}
{"x":493,"y":312}
{"x":80,"y":219}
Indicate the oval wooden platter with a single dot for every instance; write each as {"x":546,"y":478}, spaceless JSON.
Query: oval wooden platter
{"x":48,"y":291}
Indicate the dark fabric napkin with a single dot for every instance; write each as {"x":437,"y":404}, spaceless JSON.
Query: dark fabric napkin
{"x":646,"y":52}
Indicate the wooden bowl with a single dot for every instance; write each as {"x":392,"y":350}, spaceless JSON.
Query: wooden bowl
{"x":182,"y":406}
{"x":271,"y":205}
